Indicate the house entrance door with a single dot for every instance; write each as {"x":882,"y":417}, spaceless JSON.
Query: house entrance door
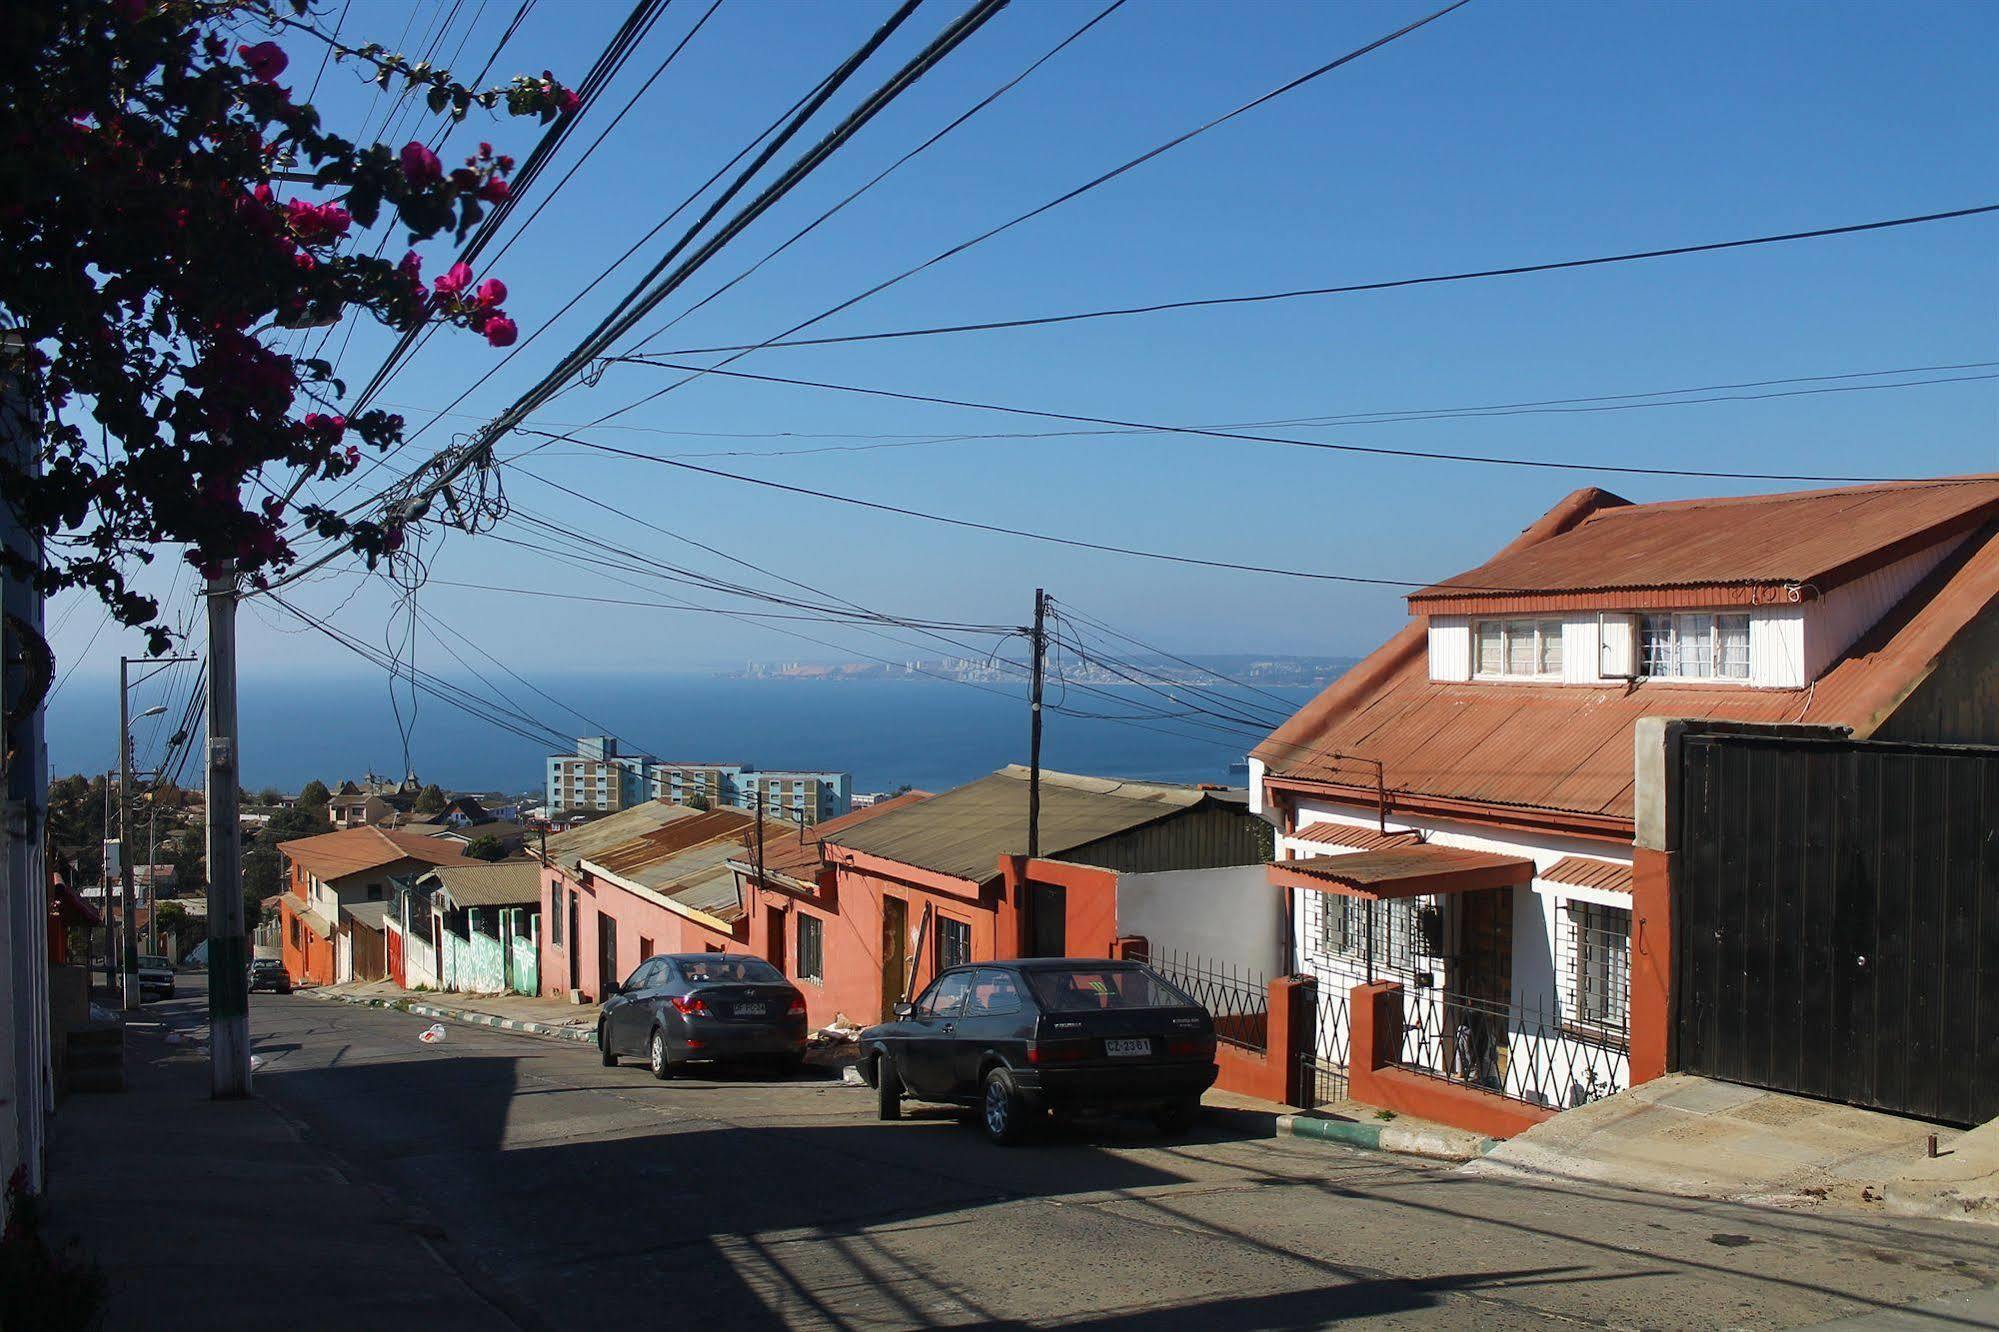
{"x":1048,"y":905}
{"x":607,"y":953}
{"x":1479,"y":996}
{"x":895,"y":952}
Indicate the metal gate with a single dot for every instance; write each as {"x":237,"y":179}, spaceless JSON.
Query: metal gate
{"x":1837,"y":921}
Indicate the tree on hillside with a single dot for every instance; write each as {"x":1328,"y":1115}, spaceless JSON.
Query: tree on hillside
{"x":314,"y":795}
{"x":298,"y":821}
{"x":485,"y":848}
{"x":157,"y":274}
{"x":76,"y":825}
{"x":430,"y":800}
{"x":187,"y":852}
{"x":697,"y":801}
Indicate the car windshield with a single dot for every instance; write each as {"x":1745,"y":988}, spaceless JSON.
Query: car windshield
{"x":146,"y":960}
{"x":723,"y":967}
{"x":1089,"y":989}
{"x":265,"y":964}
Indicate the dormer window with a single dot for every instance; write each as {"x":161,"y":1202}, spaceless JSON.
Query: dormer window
{"x":1520,"y":649}
{"x":1702,"y":645}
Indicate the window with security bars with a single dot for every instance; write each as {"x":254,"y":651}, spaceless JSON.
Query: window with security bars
{"x":1343,"y":930}
{"x":1531,"y":648}
{"x":1595,"y":964}
{"x":811,"y":948}
{"x":954,"y":943}
{"x":1700,"y":645}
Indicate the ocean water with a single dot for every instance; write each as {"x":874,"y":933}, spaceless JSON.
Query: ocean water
{"x":930,"y":734}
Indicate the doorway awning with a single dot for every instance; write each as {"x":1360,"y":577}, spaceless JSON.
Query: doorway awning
{"x":1415,"y":870}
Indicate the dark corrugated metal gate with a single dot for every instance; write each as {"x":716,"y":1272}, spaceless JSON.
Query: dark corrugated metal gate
{"x":1836,"y":908}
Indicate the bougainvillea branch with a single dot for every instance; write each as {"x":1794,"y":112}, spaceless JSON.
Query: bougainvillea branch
{"x":151,"y":269}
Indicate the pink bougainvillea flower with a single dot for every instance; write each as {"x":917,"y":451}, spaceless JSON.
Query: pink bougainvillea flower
{"x":455,"y":280}
{"x":420,"y":165}
{"x":495,"y":189}
{"x":501,"y":331}
{"x":266,"y":60}
{"x":317,"y":222}
{"x":568,"y":101}
{"x":410,"y":265}
{"x":491,"y":292}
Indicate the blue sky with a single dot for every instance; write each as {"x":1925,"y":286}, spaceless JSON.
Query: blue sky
{"x":1508,"y":132}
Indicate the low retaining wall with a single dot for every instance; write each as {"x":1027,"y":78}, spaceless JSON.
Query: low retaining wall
{"x":1375,"y":1078}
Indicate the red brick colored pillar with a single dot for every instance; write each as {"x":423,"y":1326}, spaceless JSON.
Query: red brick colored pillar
{"x":1289,"y":1034}
{"x":1375,"y":1039}
{"x":1651,"y":962}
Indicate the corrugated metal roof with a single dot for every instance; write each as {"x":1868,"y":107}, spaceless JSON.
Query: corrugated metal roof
{"x":336,"y":855}
{"x":1584,"y":872}
{"x":965,"y":831}
{"x":1568,"y":748}
{"x":505,"y":883}
{"x":1815,"y":539}
{"x":569,"y":848}
{"x":369,"y":914}
{"x":632,"y":858}
{"x":1414,"y":869}
{"x":1347,"y":835}
{"x":797,"y":854}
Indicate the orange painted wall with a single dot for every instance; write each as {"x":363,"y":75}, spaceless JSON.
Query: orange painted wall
{"x":1651,"y":962}
{"x":310,"y":961}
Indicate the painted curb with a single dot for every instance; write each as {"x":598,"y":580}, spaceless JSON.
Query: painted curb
{"x":582,"y":1035}
{"x":1387,"y":1138}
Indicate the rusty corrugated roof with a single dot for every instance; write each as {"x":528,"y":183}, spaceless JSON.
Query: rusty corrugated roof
{"x":569,"y":848}
{"x":965,"y":831}
{"x":1347,"y":835}
{"x":797,"y":854}
{"x":1585,"y":872}
{"x":1814,"y":539}
{"x":1568,"y":748}
{"x":1414,"y":869}
{"x":336,"y":855}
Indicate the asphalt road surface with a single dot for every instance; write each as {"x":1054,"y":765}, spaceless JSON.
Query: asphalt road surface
{"x":576,"y":1196}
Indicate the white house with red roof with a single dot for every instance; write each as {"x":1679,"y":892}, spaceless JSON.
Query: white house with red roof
{"x":1457,"y":813}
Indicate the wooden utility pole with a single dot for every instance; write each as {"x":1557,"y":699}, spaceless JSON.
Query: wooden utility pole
{"x":228,"y":948}
{"x":1039,"y":641}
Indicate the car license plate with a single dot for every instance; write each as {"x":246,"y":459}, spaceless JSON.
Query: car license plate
{"x":1139,"y":1045}
{"x":751,"y":1010}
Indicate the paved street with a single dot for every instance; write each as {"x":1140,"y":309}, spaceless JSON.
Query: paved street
{"x":571,"y":1195}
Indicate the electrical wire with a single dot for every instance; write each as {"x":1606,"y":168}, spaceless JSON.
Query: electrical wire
{"x":1158,"y":307}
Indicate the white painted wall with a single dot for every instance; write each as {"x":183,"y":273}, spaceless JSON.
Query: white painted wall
{"x":1230,"y":916}
{"x":1450,"y":647}
{"x":1850,"y":610}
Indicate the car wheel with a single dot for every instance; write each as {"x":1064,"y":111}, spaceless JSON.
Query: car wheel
{"x":657,"y":1057}
{"x":1177,"y":1117}
{"x":888,"y":1088}
{"x":604,"y":1051}
{"x":1003,"y":1112}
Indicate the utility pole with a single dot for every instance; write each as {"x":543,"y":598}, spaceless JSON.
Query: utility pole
{"x":228,"y":949}
{"x":130,"y":932}
{"x":1039,"y":640}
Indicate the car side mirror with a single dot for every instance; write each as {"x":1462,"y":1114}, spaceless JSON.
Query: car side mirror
{"x":904,"y":1010}
{"x":611,"y":988}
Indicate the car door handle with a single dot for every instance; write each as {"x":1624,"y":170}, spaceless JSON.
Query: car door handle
{"x":948,"y":1028}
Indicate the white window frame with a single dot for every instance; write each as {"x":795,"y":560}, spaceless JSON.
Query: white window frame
{"x":1717,"y":653}
{"x":1569,"y":955}
{"x":1507,"y":626}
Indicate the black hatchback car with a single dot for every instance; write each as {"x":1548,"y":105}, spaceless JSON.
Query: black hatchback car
{"x":682,"y":1008}
{"x":1016,"y":1039}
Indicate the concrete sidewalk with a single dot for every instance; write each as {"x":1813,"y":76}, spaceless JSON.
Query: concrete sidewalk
{"x":222,"y":1214}
{"x":1705,"y":1139}
{"x":532,"y":1016}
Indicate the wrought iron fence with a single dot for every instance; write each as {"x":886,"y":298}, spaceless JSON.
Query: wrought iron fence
{"x":1237,"y":997}
{"x":1322,"y":1060}
{"x":1520,"y":1051}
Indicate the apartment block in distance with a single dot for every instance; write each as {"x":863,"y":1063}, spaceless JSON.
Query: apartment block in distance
{"x":597,"y":777}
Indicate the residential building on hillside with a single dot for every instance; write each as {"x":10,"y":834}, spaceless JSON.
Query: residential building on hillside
{"x":599,"y":778}
{"x":1457,"y":812}
{"x":368,"y":809}
{"x":947,"y":880}
{"x":483,"y":926}
{"x":332,"y":919}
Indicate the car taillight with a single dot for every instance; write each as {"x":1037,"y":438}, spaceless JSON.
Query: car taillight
{"x":1190,"y":1047}
{"x":797,"y":1008}
{"x":690,"y":1005}
{"x":1058,"y":1052}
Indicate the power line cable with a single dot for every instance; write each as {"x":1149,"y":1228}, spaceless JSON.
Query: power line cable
{"x":1205,"y":433}
{"x":1157,"y":307}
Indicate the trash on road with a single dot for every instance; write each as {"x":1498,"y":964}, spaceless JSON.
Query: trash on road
{"x":434,"y":1032}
